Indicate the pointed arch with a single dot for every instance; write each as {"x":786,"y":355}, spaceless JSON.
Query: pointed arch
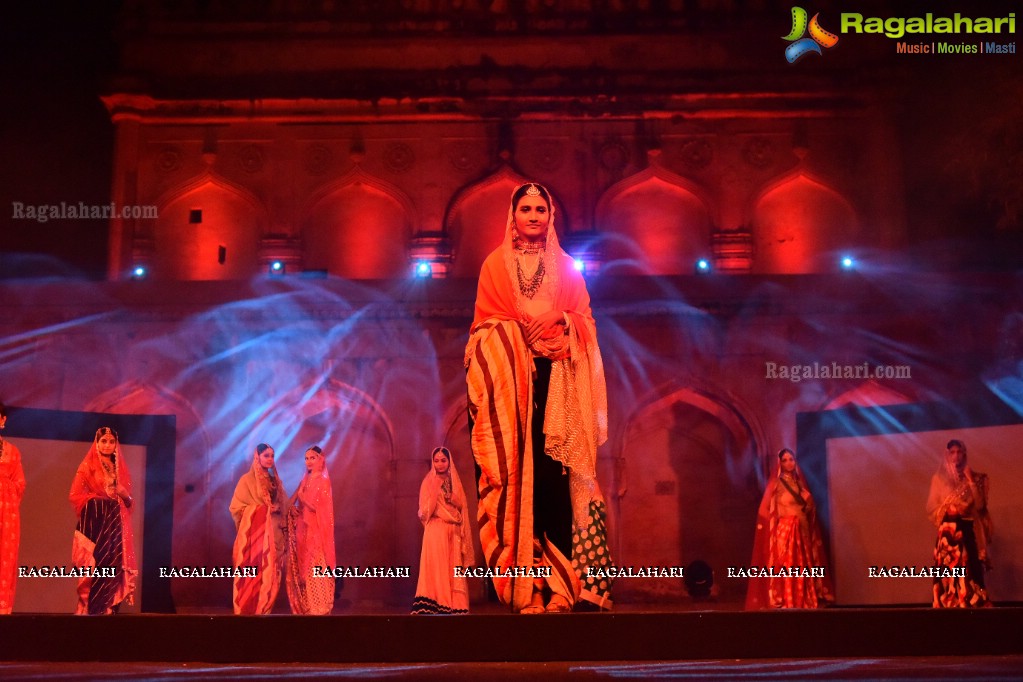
{"x":208,"y":177}
{"x":343,"y":409}
{"x":801,"y":225}
{"x":739,"y":426}
{"x":699,"y":488}
{"x":198,"y":219}
{"x":193,"y":502}
{"x":140,"y":397}
{"x":655,"y":222}
{"x":358,"y":227}
{"x":870,"y":393}
{"x":358,"y":442}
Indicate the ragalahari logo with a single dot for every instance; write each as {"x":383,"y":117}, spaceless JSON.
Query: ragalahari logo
{"x":802,"y":46}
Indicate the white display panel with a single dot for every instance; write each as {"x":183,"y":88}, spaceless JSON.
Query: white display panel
{"x":48,"y":520}
{"x":877,"y":488}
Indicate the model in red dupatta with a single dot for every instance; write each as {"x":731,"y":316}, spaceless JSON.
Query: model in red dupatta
{"x":788,"y":540}
{"x":12,"y":489}
{"x":101,"y":497}
{"x":311,"y":559}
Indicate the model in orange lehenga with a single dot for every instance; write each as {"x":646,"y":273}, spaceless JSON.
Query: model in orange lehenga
{"x":788,"y":538}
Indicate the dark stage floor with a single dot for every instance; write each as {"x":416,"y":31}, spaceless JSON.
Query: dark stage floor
{"x":891,"y":668}
{"x":830,"y":644}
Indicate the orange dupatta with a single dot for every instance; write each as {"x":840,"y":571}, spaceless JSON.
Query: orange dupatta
{"x":500,"y":383}
{"x":260,"y":539}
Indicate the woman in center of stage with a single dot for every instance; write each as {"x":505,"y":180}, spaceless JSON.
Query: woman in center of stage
{"x":788,"y":539}
{"x":311,"y":558}
{"x":537,"y":412}
{"x":258,"y":507}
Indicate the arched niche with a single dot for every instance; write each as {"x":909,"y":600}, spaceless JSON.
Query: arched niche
{"x":359,"y":229}
{"x":868,"y":394}
{"x":357,"y":439}
{"x":191,"y":543}
{"x":691,"y":492}
{"x":193,"y":225}
{"x":654,"y":223}
{"x":801,"y":226}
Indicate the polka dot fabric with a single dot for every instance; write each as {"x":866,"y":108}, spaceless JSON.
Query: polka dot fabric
{"x":591,"y":557}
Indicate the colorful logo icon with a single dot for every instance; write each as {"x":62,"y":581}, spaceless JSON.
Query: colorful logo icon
{"x":802,"y":46}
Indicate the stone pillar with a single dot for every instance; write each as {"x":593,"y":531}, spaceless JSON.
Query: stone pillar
{"x":733,"y":251}
{"x":433,"y":250}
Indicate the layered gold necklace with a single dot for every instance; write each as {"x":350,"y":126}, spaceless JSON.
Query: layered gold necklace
{"x":532,"y":285}
{"x":529,"y":288}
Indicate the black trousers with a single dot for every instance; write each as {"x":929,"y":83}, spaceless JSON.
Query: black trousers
{"x":552,"y":501}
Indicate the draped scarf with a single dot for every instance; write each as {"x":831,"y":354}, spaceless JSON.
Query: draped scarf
{"x":92,"y":480}
{"x":500,"y":376}
{"x":758,"y":590}
{"x":311,"y":545}
{"x":430,"y":506}
{"x":260,"y":538}
{"x":950,"y":488}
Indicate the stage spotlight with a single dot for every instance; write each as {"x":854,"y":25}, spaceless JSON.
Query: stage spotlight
{"x":702,"y":266}
{"x":139,"y":272}
{"x":579,"y":264}
{"x":423,"y":269}
{"x":699,"y":579}
{"x":277,"y":268}
{"x":848,"y":263}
